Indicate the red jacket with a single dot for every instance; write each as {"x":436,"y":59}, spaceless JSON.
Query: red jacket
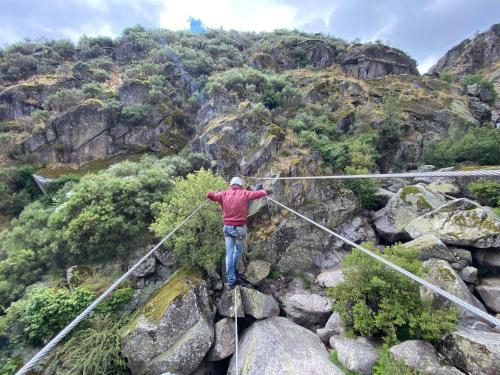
{"x":234,"y":202}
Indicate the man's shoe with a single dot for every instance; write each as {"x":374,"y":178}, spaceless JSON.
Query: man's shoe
{"x":231,"y":286}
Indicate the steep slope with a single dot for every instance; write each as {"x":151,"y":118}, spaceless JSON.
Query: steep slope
{"x":471,"y":54}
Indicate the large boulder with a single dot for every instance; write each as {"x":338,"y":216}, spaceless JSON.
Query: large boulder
{"x":146,"y":268}
{"x":460,"y":222}
{"x":279,"y":346}
{"x":429,"y":246}
{"x":472,"y":351}
{"x":409,"y":203}
{"x":224,"y":344}
{"x":356,"y":354}
{"x":257,"y":304}
{"x":489,"y":290}
{"x":226,"y":303}
{"x":335,"y":324}
{"x":441,"y":274}
{"x":422,"y":357}
{"x":330,"y":277}
{"x":488,"y":259}
{"x":173,"y":331}
{"x":366,"y":61}
{"x":257,"y":270}
{"x":308,"y":310}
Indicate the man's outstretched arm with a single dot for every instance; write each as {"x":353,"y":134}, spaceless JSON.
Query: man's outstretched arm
{"x":215,"y":196}
{"x":253,"y":195}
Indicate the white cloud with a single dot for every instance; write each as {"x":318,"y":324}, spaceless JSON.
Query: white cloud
{"x":89,"y":30}
{"x":426,"y":64}
{"x":244,"y":15}
{"x":8,"y":35}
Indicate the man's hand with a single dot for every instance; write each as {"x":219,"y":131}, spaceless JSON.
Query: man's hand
{"x":258,"y":186}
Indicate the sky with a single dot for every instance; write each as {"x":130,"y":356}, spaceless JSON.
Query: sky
{"x":425,"y":29}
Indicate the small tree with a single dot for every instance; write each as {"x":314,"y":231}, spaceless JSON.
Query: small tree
{"x":200,"y":241}
{"x":376,"y":300}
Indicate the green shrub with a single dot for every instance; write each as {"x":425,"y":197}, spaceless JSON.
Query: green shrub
{"x":486,"y":191}
{"x":472,"y":79}
{"x":486,"y":85}
{"x":115,"y":303}
{"x":199,"y":242}
{"x":95,"y":90}
{"x":45,"y":311}
{"x":447,"y":77}
{"x":387,"y":366}
{"x":64,"y":99}
{"x":377,"y":301}
{"x":17,"y":189}
{"x":101,"y":75}
{"x":480,"y":145}
{"x":365,"y":189}
{"x":93,"y":350}
{"x":135,"y":114}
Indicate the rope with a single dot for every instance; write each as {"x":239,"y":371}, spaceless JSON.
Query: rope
{"x":445,"y":294}
{"x":47,"y":348}
{"x":477,"y":173}
{"x":236,"y":332}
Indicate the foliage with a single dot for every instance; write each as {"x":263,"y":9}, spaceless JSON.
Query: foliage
{"x":486,"y":191}
{"x":365,"y":189}
{"x":481,"y":145}
{"x":94,"y":350}
{"x":335,"y":360}
{"x":17,"y":189}
{"x":447,"y":77}
{"x":484,"y":84}
{"x":95,"y":91}
{"x":375,"y":300}
{"x":137,"y":114}
{"x":387,"y":366}
{"x":25,"y":251}
{"x":45,"y":311}
{"x":117,"y":301}
{"x":391,"y":132}
{"x":64,"y":99}
{"x":199,"y":242}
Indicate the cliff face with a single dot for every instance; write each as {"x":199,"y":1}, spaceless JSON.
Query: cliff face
{"x":471,"y":54}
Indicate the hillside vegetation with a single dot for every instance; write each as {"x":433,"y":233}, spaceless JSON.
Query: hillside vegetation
{"x":133,"y":131}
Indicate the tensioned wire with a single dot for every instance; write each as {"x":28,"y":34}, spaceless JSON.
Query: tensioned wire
{"x":457,"y":301}
{"x":475,"y":173}
{"x":52,"y":343}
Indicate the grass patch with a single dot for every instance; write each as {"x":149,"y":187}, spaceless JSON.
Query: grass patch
{"x":387,"y":366}
{"x":335,"y":360}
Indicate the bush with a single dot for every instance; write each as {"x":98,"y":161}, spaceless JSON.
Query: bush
{"x":100,"y":75}
{"x":17,"y":189}
{"x":94,"y":350}
{"x":199,"y":242}
{"x":377,"y":301}
{"x":135,"y":114}
{"x":365,"y":189}
{"x":64,"y":99}
{"x":486,"y":191}
{"x":387,"y":366}
{"x":45,"y":311}
{"x":447,"y":77}
{"x":95,"y":91}
{"x":480,"y":145}
{"x":486,"y":85}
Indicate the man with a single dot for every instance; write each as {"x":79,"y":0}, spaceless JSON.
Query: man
{"x":234,"y":202}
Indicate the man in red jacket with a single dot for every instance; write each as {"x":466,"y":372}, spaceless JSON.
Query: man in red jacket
{"x":234,"y":202}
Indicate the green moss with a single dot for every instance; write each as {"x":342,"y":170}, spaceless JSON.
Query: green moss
{"x":408,"y":190}
{"x":473,"y":219}
{"x":422,"y":204}
{"x":275,"y":130}
{"x":446,"y":275}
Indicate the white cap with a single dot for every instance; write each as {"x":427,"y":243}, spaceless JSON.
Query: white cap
{"x":236,"y":181}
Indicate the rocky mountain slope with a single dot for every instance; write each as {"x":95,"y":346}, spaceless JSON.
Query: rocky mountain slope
{"x":275,"y":104}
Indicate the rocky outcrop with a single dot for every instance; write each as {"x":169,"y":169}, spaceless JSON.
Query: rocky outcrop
{"x":257,"y":304}
{"x":488,"y":259}
{"x":308,"y":310}
{"x":460,"y":222}
{"x":224,"y":344}
{"x":357,"y":354}
{"x":422,"y":357}
{"x":330,"y":277}
{"x":471,"y":54}
{"x":369,"y":61}
{"x":173,"y":331}
{"x":278,"y":346}
{"x":474,"y":352}
{"x":409,"y":203}
{"x":257,"y":270}
{"x":489,"y":290}
{"x":441,"y":274}
{"x":226,"y":303}
{"x":429,"y":246}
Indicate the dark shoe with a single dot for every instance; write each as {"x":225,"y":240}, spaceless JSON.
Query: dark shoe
{"x":240,"y":278}
{"x":231,"y":286}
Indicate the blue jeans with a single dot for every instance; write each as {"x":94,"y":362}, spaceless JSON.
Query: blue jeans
{"x":235,"y":241}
